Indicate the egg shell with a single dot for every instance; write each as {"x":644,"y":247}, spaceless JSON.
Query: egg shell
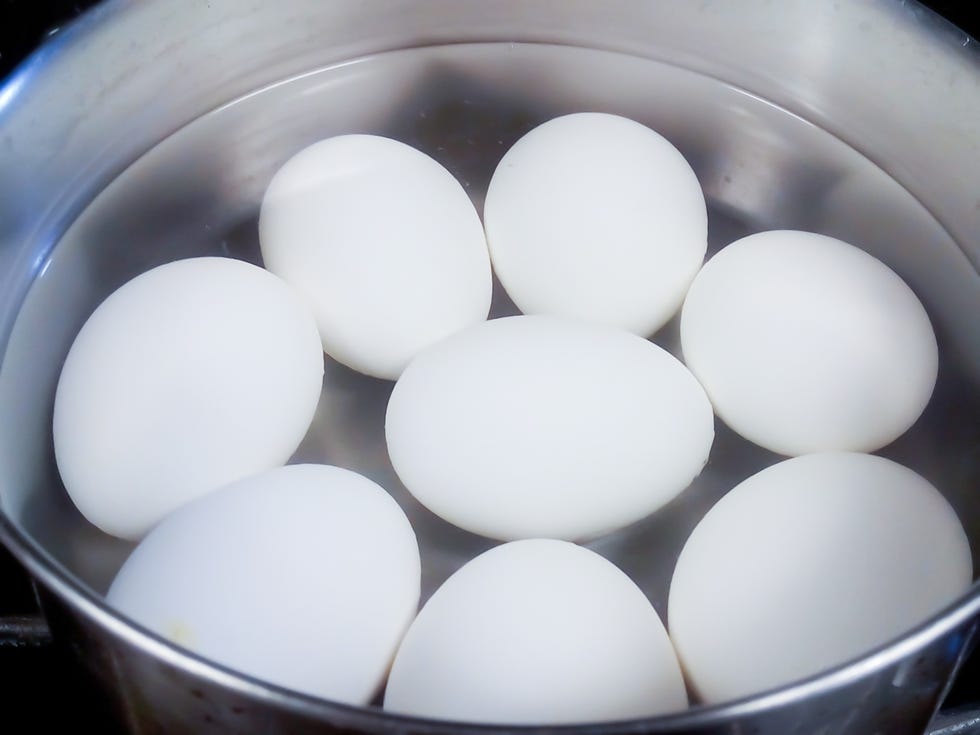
{"x":807,"y":564}
{"x":542,"y":426}
{"x":536,"y":632}
{"x":597,"y":217}
{"x":382,"y":243}
{"x":304,"y":576}
{"x":805,"y":343}
{"x":192,"y":375}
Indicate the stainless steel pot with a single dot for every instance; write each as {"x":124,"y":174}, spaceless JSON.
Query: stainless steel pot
{"x":121,"y":149}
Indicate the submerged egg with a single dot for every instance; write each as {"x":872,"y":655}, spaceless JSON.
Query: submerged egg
{"x":190,"y":376}
{"x":809,"y":563}
{"x":541,"y":426}
{"x":597,"y":217}
{"x":383,"y":244}
{"x":305,"y":576}
{"x":536,"y":632}
{"x":806,"y":344}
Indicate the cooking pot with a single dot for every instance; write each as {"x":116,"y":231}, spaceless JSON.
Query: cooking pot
{"x":147,"y":131}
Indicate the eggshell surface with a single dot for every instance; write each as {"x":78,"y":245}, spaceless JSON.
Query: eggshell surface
{"x":305,"y":576}
{"x":190,"y":376}
{"x":541,"y":426}
{"x":597,"y":217}
{"x":536,"y":632}
{"x":383,"y":244}
{"x":805,"y":344}
{"x":807,"y":564}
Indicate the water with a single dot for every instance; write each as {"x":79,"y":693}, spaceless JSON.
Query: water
{"x":198,"y":193}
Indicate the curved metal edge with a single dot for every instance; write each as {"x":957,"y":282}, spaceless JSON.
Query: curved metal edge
{"x":965,"y":721}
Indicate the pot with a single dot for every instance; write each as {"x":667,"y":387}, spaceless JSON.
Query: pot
{"x":147,"y":131}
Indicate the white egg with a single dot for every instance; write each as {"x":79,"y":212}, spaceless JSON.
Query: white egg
{"x":536,"y":632}
{"x":597,"y":217}
{"x":382,"y":242}
{"x":807,"y":564}
{"x":190,"y":376}
{"x":305,"y":576}
{"x":541,"y":426}
{"x":806,"y":344}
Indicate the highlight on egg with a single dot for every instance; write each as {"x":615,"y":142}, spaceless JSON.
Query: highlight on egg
{"x":597,"y":217}
{"x":382,"y":243}
{"x":807,"y":564}
{"x":544,"y":426}
{"x":305,"y":576}
{"x":192,"y":375}
{"x":538,"y":632}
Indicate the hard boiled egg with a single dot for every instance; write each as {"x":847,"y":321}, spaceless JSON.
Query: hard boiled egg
{"x":190,"y":376}
{"x":597,"y":217}
{"x":543,"y":426}
{"x":805,"y":343}
{"x":304,"y":576}
{"x":382,"y":243}
{"x":809,"y":563}
{"x":536,"y":632}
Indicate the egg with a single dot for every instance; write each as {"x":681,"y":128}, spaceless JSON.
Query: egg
{"x":807,"y":564}
{"x":382,"y":243}
{"x":305,"y":576}
{"x":597,"y":217}
{"x":539,"y":632}
{"x":805,"y":343}
{"x":192,"y":375}
{"x":544,"y":426}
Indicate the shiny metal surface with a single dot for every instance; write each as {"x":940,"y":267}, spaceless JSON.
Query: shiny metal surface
{"x":148,"y":131}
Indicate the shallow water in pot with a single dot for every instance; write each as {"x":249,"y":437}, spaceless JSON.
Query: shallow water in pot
{"x":198,"y":192}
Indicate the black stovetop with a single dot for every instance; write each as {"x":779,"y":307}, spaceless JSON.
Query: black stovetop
{"x":39,"y":685}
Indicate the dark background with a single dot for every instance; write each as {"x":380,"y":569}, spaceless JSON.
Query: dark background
{"x":38,"y":686}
